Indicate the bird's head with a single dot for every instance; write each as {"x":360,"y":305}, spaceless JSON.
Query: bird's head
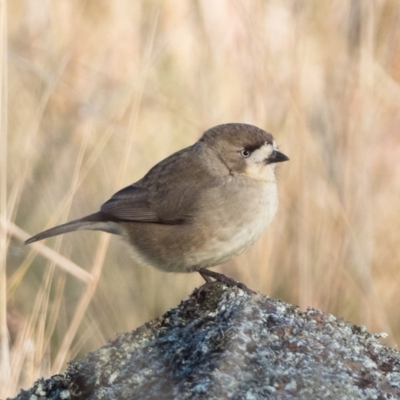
{"x":245,"y":150}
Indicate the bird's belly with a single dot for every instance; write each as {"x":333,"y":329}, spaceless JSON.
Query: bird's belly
{"x":228,"y":229}
{"x":237,"y":228}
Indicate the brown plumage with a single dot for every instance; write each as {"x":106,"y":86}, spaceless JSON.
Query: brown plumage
{"x":197,"y":208}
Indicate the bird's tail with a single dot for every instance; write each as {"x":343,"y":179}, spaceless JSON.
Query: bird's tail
{"x":91,"y":222}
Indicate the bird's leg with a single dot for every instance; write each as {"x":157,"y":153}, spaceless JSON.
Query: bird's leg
{"x":209,"y":275}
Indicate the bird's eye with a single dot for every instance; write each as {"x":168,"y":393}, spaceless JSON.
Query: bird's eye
{"x":245,"y":153}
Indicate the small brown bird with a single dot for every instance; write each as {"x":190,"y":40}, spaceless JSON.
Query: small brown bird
{"x":199,"y":207}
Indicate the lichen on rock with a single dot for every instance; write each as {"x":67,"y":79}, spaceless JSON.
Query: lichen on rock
{"x":222,"y":342}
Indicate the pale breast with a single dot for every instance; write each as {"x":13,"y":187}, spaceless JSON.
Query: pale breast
{"x":239,"y":220}
{"x":231,"y":217}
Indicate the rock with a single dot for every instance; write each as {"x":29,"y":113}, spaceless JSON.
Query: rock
{"x":223,"y":342}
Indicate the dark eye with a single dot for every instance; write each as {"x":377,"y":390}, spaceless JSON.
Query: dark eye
{"x":245,"y":153}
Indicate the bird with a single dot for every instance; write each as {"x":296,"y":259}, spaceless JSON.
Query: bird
{"x":198,"y":208}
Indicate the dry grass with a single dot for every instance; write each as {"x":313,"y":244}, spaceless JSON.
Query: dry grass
{"x":97,"y":92}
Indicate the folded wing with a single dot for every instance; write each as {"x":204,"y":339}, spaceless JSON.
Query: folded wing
{"x":131,"y":204}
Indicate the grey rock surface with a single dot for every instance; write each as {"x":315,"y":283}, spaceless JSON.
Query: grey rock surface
{"x":223,"y":343}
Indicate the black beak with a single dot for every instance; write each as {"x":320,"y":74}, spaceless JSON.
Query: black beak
{"x":276,"y":157}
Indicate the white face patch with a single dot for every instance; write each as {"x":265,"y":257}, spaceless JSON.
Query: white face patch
{"x":262,"y":153}
{"x":256,"y":166}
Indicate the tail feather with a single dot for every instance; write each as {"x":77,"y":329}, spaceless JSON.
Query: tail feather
{"x":91,"y":222}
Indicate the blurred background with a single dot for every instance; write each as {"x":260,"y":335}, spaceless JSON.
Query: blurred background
{"x":95,"y":92}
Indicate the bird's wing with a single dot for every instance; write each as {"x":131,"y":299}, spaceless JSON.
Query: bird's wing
{"x":170,"y":204}
{"x":177,"y":184}
{"x":169,"y":193}
{"x":130,"y":204}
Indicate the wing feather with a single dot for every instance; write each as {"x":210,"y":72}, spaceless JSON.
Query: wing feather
{"x":168,"y":194}
{"x":131,"y":204}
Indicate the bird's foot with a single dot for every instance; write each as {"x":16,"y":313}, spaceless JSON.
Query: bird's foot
{"x":208,"y":276}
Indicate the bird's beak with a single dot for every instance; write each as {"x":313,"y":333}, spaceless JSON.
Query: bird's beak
{"x":276,"y":157}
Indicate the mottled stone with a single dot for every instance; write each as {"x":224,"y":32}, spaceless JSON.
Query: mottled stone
{"x":224,"y":343}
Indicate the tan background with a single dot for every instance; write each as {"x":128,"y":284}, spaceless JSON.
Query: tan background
{"x":99,"y":91}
